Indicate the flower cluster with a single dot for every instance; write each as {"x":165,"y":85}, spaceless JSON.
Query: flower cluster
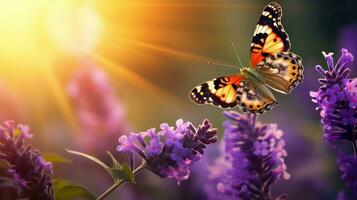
{"x":256,"y":155}
{"x":337,"y":99}
{"x":28,"y":170}
{"x":170,"y":152}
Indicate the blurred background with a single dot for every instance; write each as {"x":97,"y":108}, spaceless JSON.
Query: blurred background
{"x":83,"y":72}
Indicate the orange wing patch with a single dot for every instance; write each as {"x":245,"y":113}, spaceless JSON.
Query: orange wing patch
{"x":227,"y":94}
{"x":221,"y":92}
{"x":272,"y":44}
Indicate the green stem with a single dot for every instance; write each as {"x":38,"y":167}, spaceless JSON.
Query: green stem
{"x":120,"y":183}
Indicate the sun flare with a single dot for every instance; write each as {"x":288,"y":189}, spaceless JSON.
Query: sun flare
{"x":44,"y":41}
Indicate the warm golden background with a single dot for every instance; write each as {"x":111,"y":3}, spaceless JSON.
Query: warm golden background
{"x":154,"y":52}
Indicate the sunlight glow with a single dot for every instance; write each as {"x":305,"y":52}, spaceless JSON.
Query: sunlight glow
{"x":75,"y":28}
{"x":43,"y":41}
{"x":30,"y":29}
{"x":36,"y":36}
{"x":20,"y":32}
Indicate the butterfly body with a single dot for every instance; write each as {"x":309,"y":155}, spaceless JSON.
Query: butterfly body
{"x":251,"y":74}
{"x":272,"y":67}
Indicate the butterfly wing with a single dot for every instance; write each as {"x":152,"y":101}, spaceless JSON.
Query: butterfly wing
{"x":269,"y":36}
{"x":230,"y":91}
{"x":221,"y":92}
{"x":282,"y":71}
{"x":255,"y":97}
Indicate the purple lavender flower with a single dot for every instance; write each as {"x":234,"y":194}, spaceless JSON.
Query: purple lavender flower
{"x":256,"y":155}
{"x":337,"y":98}
{"x":29,"y":172}
{"x":170,"y":152}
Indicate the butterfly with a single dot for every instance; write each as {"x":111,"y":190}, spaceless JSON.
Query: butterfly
{"x":272,"y":67}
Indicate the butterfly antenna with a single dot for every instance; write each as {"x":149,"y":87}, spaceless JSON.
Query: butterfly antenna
{"x":221,"y":64}
{"x":235,"y":51}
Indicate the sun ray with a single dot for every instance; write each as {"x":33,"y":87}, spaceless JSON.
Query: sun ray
{"x":59,"y":95}
{"x":128,"y":75}
{"x":129,"y":33}
{"x":167,"y":50}
{"x":185,"y":5}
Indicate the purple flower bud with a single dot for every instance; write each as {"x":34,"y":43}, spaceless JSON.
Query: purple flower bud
{"x":329,"y":59}
{"x":125,"y":144}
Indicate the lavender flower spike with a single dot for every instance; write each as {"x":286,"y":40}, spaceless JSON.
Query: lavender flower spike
{"x":256,"y":155}
{"x":170,"y":152}
{"x":29,"y":172}
{"x":337,"y":99}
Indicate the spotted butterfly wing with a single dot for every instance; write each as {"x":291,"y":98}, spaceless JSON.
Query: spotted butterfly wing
{"x":269,"y":36}
{"x":230,"y":91}
{"x":221,"y":92}
{"x":282,"y":71}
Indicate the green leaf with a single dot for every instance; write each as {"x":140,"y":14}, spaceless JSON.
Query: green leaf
{"x":92,"y":158}
{"x":65,"y":190}
{"x":59,"y":183}
{"x":124,"y":173}
{"x":116,"y":164}
{"x":128,"y":173}
{"x":71,"y":192}
{"x":55,"y":158}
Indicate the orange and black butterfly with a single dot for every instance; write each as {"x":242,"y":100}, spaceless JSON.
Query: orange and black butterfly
{"x":272,"y":67}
